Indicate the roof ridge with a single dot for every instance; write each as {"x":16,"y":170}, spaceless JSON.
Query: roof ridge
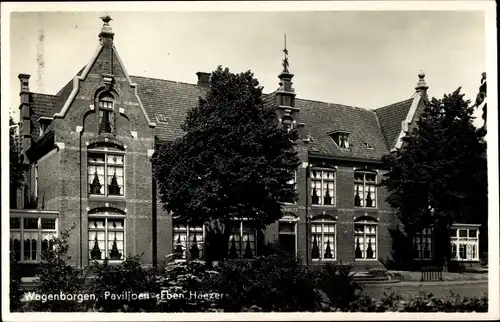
{"x":165,"y":80}
{"x":392,"y":104}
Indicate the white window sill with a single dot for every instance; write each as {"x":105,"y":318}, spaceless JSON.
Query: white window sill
{"x":323,"y":260}
{"x":365,"y":208}
{"x":423,"y":259}
{"x":322,"y":206}
{"x":366,"y":260}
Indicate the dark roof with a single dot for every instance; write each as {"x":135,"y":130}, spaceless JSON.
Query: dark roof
{"x":43,"y":105}
{"x":390,"y":118}
{"x":172,"y":100}
{"x":64,"y":93}
{"x":167,"y":103}
{"x":321,"y":118}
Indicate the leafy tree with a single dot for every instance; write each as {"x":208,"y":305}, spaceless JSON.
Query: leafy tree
{"x":16,"y":164}
{"x":234,"y":161}
{"x":439,"y":175}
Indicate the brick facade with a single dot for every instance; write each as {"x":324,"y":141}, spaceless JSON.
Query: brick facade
{"x":61,"y":156}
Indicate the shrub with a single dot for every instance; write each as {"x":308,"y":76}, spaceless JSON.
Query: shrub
{"x":57,"y":276}
{"x":337,"y":281}
{"x":122,"y":280}
{"x":278,"y":282}
{"x":15,"y":291}
{"x":392,"y":302}
{"x":183,"y":285}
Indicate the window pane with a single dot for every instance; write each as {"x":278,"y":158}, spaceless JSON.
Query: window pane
{"x":96,"y":179}
{"x":462,"y":233}
{"x":97,"y":244}
{"x":30,"y":223}
{"x":115,"y":180}
{"x":96,"y":223}
{"x":49,"y":223}
{"x":115,"y":245}
{"x":15,"y":238}
{"x":96,"y":158}
{"x":30,"y":245}
{"x":472,"y":233}
{"x":15,"y":223}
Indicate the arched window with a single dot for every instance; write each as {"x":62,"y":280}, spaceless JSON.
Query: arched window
{"x":106,"y":173}
{"x":106,"y":113}
{"x":365,"y":238}
{"x":323,"y":239}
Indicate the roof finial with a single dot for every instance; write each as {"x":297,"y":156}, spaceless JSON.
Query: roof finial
{"x":285,"y":60}
{"x":421,"y":85}
{"x":106,"y":31}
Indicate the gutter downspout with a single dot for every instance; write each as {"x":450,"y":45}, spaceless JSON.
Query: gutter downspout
{"x":81,"y":205}
{"x":307,"y":209}
{"x":155,"y":224}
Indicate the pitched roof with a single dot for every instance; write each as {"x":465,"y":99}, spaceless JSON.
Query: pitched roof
{"x":320,"y":118}
{"x":166,"y":103}
{"x":43,"y":105}
{"x":171,"y":101}
{"x":391,"y":117}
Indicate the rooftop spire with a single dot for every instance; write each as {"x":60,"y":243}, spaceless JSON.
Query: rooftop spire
{"x":285,"y":60}
{"x":421,"y":85}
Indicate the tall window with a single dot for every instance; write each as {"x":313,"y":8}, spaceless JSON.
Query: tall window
{"x":106,"y":238}
{"x":423,"y":244}
{"x":464,"y":244}
{"x":105,"y":174}
{"x":365,"y":191}
{"x":31,"y":236}
{"x":323,"y":240}
{"x":242,"y":240}
{"x":106,"y":114}
{"x":188,"y":241}
{"x":365,"y":240}
{"x":322,"y":187}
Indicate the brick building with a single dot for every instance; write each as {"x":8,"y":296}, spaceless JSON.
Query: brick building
{"x":88,"y":149}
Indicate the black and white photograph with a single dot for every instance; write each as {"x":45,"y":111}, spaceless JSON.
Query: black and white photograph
{"x":245,"y":161}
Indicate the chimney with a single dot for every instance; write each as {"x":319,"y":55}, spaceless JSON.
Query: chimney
{"x":203,"y":79}
{"x":24,"y":113}
{"x":422,"y":85}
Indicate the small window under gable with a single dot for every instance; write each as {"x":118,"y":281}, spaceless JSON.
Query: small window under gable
{"x":341,"y":138}
{"x":106,"y":113}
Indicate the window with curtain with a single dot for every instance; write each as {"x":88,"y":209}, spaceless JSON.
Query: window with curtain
{"x":323,"y":241}
{"x":423,"y":244}
{"x":322,"y":187}
{"x":188,"y":241}
{"x":106,"y":173}
{"x":242,"y":240}
{"x":365,"y":240}
{"x":106,"y":238}
{"x":365,"y":189}
{"x":464,"y":243}
{"x":31,"y":236}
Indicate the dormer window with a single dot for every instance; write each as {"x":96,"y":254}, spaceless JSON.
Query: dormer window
{"x":106,"y":114}
{"x":341,"y":139}
{"x":44,"y":124}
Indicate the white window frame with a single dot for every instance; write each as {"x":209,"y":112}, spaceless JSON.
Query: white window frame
{"x":468,"y":242}
{"x":242,"y":247}
{"x":363,"y":252}
{"x":106,"y":216}
{"x":421,"y":234}
{"x":187,"y":229}
{"x":322,"y":184}
{"x":324,"y":222}
{"x":106,"y":152}
{"x":294,"y":221}
{"x":21,"y":230}
{"x":374,"y":198}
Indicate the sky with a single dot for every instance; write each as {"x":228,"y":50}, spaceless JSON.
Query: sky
{"x":367,"y":59}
